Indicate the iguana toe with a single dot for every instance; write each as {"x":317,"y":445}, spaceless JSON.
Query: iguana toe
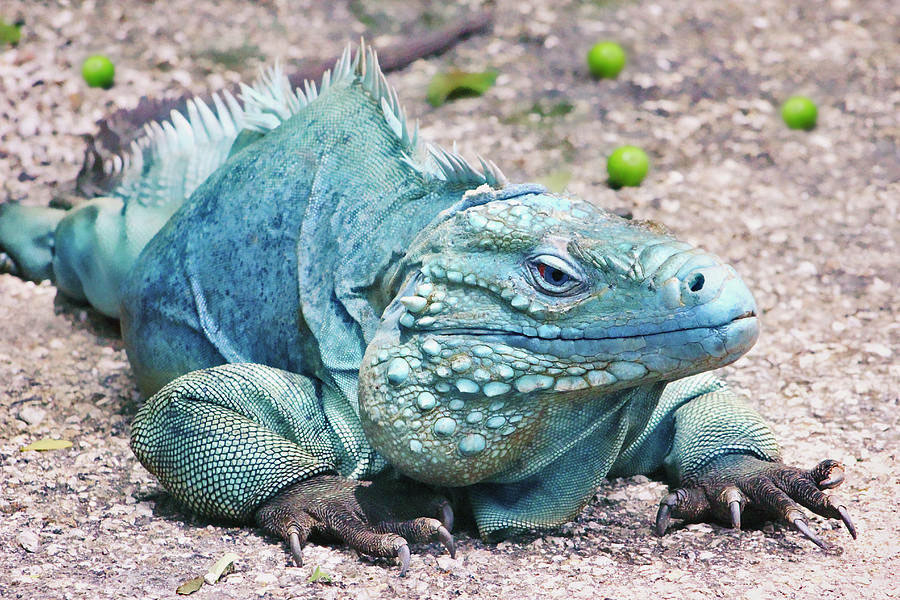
{"x":828,"y":474}
{"x":801,"y":524}
{"x":403,"y":556}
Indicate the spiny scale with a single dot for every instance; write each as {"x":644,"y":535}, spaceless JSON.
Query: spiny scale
{"x":183,"y":151}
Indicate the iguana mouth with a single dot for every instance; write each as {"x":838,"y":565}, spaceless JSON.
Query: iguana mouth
{"x":485,"y":332}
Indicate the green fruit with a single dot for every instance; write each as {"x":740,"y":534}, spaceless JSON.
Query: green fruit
{"x":627,"y":165}
{"x":799,"y":112}
{"x":606,"y":59}
{"x":98,"y":71}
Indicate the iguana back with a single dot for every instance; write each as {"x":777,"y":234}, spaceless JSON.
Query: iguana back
{"x":289,"y":237}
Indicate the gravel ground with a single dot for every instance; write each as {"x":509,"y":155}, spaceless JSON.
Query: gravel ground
{"x":809,"y":219}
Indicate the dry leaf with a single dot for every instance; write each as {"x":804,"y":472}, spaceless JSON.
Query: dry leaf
{"x":46,"y":444}
{"x":222,"y":567}
{"x":190,"y":586}
{"x":455,"y":84}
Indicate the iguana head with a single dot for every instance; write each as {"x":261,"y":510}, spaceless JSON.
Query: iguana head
{"x":515,"y":309}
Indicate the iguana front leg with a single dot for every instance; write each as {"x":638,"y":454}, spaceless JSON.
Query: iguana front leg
{"x":364,"y":514}
{"x":253,"y":444}
{"x":733,"y":484}
{"x":726,"y":462}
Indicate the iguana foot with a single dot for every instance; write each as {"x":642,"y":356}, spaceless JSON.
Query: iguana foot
{"x":371,"y":517}
{"x":739,"y":484}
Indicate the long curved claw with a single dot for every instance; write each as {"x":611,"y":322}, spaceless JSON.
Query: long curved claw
{"x":296,"y":548}
{"x":689,"y":504}
{"x":664,"y":514}
{"x":403,"y":557}
{"x":803,"y":528}
{"x":447,"y":516}
{"x":845,"y":517}
{"x":733,"y":497}
{"x":446,"y":539}
{"x":735,"y":507}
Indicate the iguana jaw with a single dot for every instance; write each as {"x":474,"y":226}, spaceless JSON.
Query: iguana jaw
{"x":734,"y":337}
{"x":458,"y":407}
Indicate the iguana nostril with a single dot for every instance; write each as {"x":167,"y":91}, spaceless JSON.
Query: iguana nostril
{"x":696,"y":283}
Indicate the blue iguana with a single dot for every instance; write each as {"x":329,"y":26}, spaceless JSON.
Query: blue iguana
{"x":338,"y":327}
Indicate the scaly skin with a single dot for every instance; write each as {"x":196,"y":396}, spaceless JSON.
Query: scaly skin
{"x":328,"y":304}
{"x":454,"y":400}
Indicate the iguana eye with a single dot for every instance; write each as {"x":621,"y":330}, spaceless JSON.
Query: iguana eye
{"x":552,"y":275}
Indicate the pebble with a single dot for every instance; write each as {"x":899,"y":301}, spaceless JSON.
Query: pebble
{"x":29,"y":540}
{"x":31,"y":414}
{"x":266,"y":579}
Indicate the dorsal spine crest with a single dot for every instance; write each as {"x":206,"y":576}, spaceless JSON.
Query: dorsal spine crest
{"x":178,"y":154}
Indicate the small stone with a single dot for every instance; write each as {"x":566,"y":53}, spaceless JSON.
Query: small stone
{"x":447,"y":564}
{"x":266,"y":579}
{"x":879,"y":349}
{"x":29,"y":540}
{"x":32,"y":414}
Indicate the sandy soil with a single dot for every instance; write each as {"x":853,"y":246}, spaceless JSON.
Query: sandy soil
{"x":809,"y":219}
